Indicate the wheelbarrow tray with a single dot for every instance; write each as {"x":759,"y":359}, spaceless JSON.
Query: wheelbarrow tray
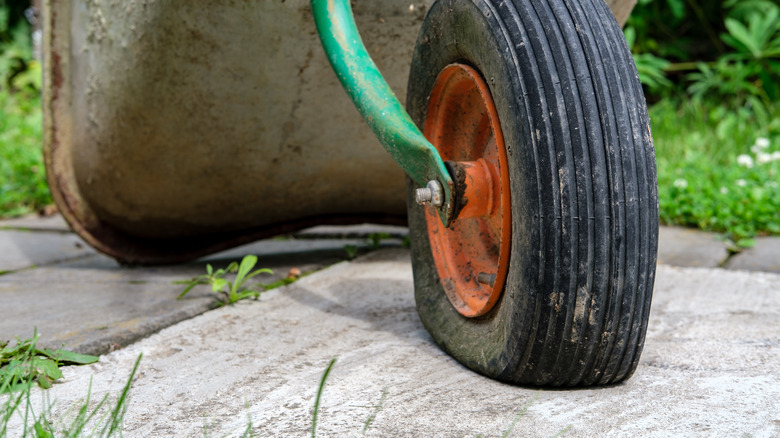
{"x":176,"y":129}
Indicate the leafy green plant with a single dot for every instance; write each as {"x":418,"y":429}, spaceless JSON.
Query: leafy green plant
{"x":756,"y":34}
{"x":724,"y":51}
{"x":720,"y":173}
{"x":749,"y":74}
{"x":22,"y":180}
{"x":651,"y":68}
{"x":22,"y":362}
{"x":231,"y":291}
{"x":91,"y":419}
{"x":678,"y":30}
{"x":375,"y":239}
{"x":23,"y":365}
{"x":23,"y":185}
{"x":18,"y":69}
{"x":351,"y":250}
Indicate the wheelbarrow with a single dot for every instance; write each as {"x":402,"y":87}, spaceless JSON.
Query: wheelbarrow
{"x":175,"y":129}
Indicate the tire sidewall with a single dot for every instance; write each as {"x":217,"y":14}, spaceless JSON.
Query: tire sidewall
{"x":464,"y":31}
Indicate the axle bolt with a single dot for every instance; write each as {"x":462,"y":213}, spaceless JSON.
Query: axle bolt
{"x":431,"y":194}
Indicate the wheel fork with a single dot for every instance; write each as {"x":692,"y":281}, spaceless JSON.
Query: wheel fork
{"x":378,"y":105}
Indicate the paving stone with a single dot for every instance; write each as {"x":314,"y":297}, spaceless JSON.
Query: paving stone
{"x":34,"y":222}
{"x":352,"y":231}
{"x":690,"y":248}
{"x":21,"y":249}
{"x":764,"y":257}
{"x":710,"y":367}
{"x":292,"y":248}
{"x":94,"y":305}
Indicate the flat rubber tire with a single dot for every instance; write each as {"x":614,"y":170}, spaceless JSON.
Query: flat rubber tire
{"x":584,"y":203}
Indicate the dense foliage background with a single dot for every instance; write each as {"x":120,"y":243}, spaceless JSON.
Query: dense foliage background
{"x":22,"y":177}
{"x":711,"y":71}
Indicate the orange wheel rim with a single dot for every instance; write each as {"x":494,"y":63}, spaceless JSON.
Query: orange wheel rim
{"x":472,"y":254}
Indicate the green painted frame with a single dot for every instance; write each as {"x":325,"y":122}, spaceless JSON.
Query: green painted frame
{"x":376,"y":102}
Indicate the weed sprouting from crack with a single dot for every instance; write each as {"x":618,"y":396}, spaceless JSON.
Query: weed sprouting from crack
{"x":375,"y":239}
{"x":351,"y":251}
{"x":231,"y":291}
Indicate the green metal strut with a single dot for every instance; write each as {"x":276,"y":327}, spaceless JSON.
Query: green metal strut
{"x":377,"y":102}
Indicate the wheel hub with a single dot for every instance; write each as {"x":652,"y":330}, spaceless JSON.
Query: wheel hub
{"x":472,"y":254}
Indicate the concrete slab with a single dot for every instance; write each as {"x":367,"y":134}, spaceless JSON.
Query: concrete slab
{"x":34,"y":222}
{"x":353,"y":231}
{"x":690,"y":248}
{"x":93,"y":305}
{"x":20,"y":249}
{"x":711,"y":367}
{"x":764,"y":257}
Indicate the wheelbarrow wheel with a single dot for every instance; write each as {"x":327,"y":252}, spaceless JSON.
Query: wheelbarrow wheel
{"x":553,"y":287}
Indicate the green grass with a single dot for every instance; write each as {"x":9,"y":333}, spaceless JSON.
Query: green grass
{"x":21,"y":363}
{"x":701,"y":181}
{"x":316,"y":411}
{"x":24,"y":366}
{"x":23,"y":186}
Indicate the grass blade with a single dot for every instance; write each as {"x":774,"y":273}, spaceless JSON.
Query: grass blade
{"x":247,"y":263}
{"x":377,"y":408}
{"x":118,"y":414}
{"x":259,"y":271}
{"x":64,"y":357}
{"x":520,"y":415}
{"x":319,"y":395}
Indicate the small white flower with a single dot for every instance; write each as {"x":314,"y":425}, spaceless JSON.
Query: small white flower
{"x":680,"y":183}
{"x":741,"y":182}
{"x":745,"y":160}
{"x":724,"y":190}
{"x":763,"y":158}
{"x":762,"y":142}
{"x":776,"y":156}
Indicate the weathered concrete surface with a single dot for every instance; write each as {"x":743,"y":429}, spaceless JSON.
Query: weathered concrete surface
{"x":690,"y":248}
{"x":21,"y":249}
{"x":93,"y":306}
{"x":763,"y":257}
{"x":711,"y":366}
{"x":352,"y":231}
{"x":34,"y":222}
